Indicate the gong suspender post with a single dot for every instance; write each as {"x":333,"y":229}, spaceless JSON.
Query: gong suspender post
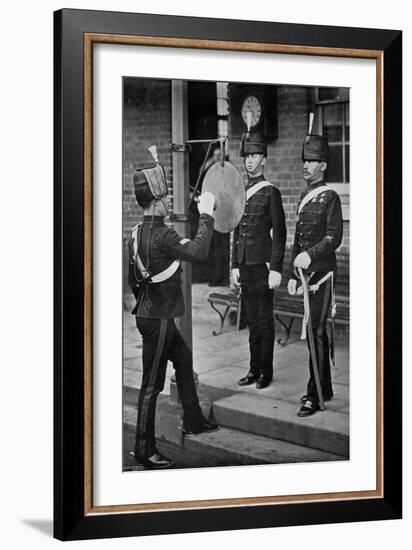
{"x":311,"y":341}
{"x":180,"y":165}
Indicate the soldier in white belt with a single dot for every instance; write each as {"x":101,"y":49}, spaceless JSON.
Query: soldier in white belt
{"x":257,"y":259}
{"x":317,"y":236}
{"x":155,"y":254}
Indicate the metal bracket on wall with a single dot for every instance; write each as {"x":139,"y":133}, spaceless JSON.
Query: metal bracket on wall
{"x":180,"y":148}
{"x":187,"y":146}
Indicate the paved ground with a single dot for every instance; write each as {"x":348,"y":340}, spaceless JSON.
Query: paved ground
{"x":221,"y":360}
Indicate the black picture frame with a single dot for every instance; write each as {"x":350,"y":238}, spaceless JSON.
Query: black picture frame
{"x":71,"y":519}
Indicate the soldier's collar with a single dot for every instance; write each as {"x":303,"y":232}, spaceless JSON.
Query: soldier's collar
{"x":317,"y":184}
{"x":256,"y":179}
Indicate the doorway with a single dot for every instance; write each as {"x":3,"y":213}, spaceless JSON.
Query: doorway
{"x":203,"y":124}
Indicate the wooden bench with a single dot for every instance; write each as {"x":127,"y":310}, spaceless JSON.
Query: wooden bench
{"x":230,"y":301}
{"x":285,"y":305}
{"x":291,"y":307}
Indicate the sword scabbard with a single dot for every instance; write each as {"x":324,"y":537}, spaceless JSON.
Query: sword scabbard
{"x":312,"y":351}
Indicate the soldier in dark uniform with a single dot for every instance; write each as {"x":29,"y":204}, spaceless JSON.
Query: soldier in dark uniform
{"x":155,"y":253}
{"x":257,"y":259}
{"x":317,"y":236}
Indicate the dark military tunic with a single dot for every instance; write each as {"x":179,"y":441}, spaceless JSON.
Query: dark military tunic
{"x":252,"y":241}
{"x":157,"y":305}
{"x":319,"y":233}
{"x":159,"y":245}
{"x":253,"y":249}
{"x":319,"y":230}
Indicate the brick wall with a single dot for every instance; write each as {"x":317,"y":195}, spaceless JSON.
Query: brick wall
{"x":284,"y":166}
{"x":147,"y":121}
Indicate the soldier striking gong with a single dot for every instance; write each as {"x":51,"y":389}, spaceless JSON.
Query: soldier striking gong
{"x":155,"y":254}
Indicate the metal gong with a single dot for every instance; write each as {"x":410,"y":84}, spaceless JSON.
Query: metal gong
{"x":226,"y":183}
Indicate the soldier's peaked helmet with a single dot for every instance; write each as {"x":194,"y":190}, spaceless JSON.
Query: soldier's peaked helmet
{"x":315,"y":147}
{"x":149,"y":183}
{"x":253,"y":143}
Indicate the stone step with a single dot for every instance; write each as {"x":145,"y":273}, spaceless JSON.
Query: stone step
{"x":326,"y":430}
{"x":242,"y":448}
{"x":227,"y":446}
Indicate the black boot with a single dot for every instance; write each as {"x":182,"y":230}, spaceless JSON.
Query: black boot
{"x":250,"y":378}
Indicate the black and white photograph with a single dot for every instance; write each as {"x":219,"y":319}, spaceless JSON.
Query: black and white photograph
{"x":205,"y":288}
{"x":236,"y":263}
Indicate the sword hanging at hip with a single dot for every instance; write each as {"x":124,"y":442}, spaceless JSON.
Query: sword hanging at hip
{"x":307,"y":328}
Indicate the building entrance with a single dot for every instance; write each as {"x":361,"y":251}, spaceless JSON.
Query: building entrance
{"x":203,"y":124}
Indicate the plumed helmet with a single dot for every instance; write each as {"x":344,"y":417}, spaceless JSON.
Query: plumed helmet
{"x":315,"y":147}
{"x":253,"y":143}
{"x":149,"y":183}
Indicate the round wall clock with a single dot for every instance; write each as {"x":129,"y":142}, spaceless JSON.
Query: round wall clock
{"x":252,"y":104}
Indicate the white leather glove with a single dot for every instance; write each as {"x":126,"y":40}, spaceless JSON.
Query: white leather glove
{"x":206,"y":203}
{"x":274,"y":279}
{"x":302,"y":260}
{"x":292,"y":286}
{"x":236,"y":276}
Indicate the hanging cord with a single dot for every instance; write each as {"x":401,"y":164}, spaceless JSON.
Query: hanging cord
{"x":136,"y":276}
{"x":146,"y":273}
{"x":149,"y":236}
{"x":144,"y":280}
{"x":307,"y":330}
{"x":201,"y":173}
{"x":306,"y":304}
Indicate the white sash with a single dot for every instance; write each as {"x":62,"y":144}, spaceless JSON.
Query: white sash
{"x":255,"y":188}
{"x":160,"y":277}
{"x":314,"y":193}
{"x":166,"y":273}
{"x":134,"y":237}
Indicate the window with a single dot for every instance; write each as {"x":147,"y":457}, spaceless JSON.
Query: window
{"x":332,"y":116}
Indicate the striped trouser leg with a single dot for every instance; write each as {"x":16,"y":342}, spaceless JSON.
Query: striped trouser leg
{"x":154,"y":333}
{"x":319,"y":308}
{"x":181,"y":356}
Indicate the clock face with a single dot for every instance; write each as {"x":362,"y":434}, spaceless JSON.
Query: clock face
{"x":252,"y":104}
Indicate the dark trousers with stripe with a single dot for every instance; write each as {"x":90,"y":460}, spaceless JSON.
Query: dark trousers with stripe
{"x":257,"y":300}
{"x":320,"y":302}
{"x":162,"y":342}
